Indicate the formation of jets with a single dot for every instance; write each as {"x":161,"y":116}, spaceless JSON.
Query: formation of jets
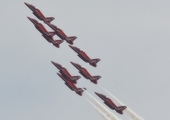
{"x":47,"y":35}
{"x":70,"y":80}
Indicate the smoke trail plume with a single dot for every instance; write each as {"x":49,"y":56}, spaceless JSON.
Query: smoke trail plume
{"x":103,"y":108}
{"x":100,"y":112}
{"x":128,"y":110}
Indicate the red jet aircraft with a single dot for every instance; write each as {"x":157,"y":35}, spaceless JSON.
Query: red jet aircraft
{"x":85,"y":57}
{"x":110,"y":104}
{"x":85,"y":73}
{"x":47,"y":35}
{"x":65,"y":73}
{"x":39,"y":14}
{"x":71,"y":85}
{"x":61,"y":34}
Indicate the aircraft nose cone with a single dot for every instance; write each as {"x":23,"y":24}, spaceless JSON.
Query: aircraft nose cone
{"x":28,"y":5}
{"x":52,"y":62}
{"x":32,"y":20}
{"x":72,"y":63}
{"x":73,"y":48}
{"x":29,"y":18}
{"x":70,"y":46}
{"x":25,"y":3}
{"x":98,"y":94}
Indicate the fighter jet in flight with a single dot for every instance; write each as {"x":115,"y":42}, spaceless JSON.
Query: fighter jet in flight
{"x":39,"y":14}
{"x":61,"y":34}
{"x":85,"y":73}
{"x":65,"y":72}
{"x":84,"y":56}
{"x":47,"y":35}
{"x":71,"y":85}
{"x":111,"y":104}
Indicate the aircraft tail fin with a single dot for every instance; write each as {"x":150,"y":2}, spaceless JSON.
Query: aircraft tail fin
{"x":52,"y":33}
{"x":49,"y":34}
{"x":95,"y":78}
{"x":94,"y":62}
{"x":75,"y":78}
{"x":120,"y":109}
{"x":71,"y":39}
{"x":79,"y":91}
{"x":49,"y":19}
{"x":57,"y":43}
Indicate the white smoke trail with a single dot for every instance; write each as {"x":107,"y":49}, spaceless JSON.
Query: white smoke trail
{"x":128,"y":110}
{"x":100,"y":112}
{"x":103,"y":108}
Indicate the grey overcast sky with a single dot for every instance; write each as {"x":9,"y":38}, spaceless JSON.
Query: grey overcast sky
{"x":131,"y":37}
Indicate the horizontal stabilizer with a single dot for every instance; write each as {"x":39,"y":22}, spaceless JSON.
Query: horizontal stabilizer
{"x":95,"y":78}
{"x":75,"y":78}
{"x":95,"y":60}
{"x":120,"y":109}
{"x":57,"y":43}
{"x":79,"y":91}
{"x":52,"y":33}
{"x":49,"y":19}
{"x":49,"y":34}
{"x":71,"y":39}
